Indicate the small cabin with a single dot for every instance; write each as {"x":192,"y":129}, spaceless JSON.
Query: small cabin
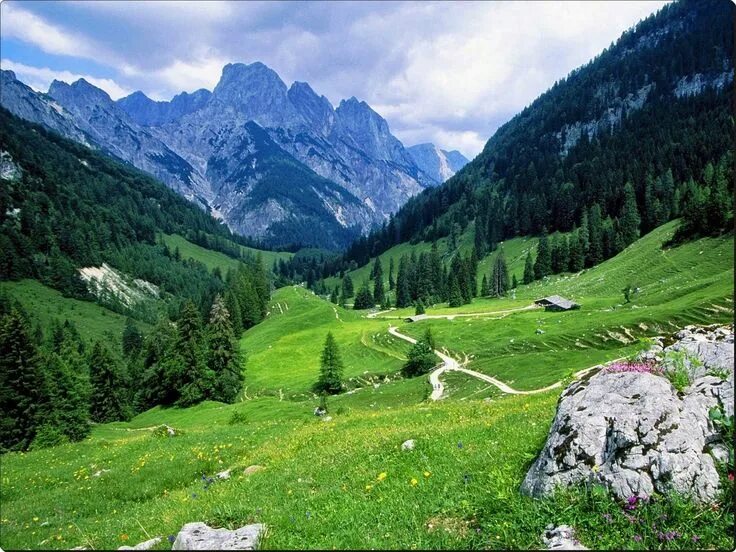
{"x":415,"y":318}
{"x":556,"y":303}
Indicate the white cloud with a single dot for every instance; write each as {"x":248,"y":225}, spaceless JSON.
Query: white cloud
{"x":448,"y":72}
{"x":25,"y":26}
{"x":39,"y":78}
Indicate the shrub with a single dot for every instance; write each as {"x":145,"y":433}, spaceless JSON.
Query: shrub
{"x":237,"y":417}
{"x":48,"y":436}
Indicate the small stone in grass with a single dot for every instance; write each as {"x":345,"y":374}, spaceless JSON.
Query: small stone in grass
{"x":408,"y":445}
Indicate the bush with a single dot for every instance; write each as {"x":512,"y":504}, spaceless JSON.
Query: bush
{"x":48,"y":436}
{"x":237,"y":417}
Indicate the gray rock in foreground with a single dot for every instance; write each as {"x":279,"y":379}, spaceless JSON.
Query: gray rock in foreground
{"x":561,"y":538}
{"x":198,"y":536}
{"x":145,"y":545}
{"x":636,"y":435}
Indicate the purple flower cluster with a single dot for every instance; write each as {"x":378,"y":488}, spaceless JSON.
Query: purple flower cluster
{"x":638,"y":367}
{"x":668,"y":536}
{"x":632,"y":502}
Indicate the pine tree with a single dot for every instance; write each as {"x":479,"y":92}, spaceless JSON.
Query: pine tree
{"x":429,"y":339}
{"x":195,"y":381}
{"x":455,"y":297}
{"x":364,"y":299}
{"x":595,"y":236}
{"x":630,"y":219}
{"x":485,"y":290}
{"x":543,"y":264}
{"x":378,"y":293}
{"x":576,"y":258}
{"x":514,"y":282}
{"x":528,"y":268}
{"x":347,"y":287}
{"x":403,"y":294}
{"x":108,"y":401}
{"x":419,"y":308}
{"x":331,"y":368}
{"x":21,"y":382}
{"x":236,"y":316}
{"x":334,"y":296}
{"x":391,"y":272}
{"x":132,"y":339}
{"x":223,"y":355}
{"x":499,"y":283}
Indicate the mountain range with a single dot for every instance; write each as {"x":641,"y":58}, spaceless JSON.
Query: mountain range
{"x":274,"y":162}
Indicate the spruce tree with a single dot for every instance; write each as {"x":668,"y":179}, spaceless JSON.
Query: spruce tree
{"x":236,"y":316}
{"x":108,"y":401}
{"x":484,"y":287}
{"x":630,"y":219}
{"x":194,"y":381}
{"x":132,"y":339}
{"x":420,"y":307}
{"x":514,"y":282}
{"x":223,"y":355}
{"x":595,"y":236}
{"x":378,"y":293}
{"x":455,"y":298}
{"x":576,"y":258}
{"x":21,"y":382}
{"x":331,"y":368}
{"x":363,"y":299}
{"x":403,"y":294}
{"x":334,"y":296}
{"x":421,"y":358}
{"x":347,"y":287}
{"x":543,"y":264}
{"x":528,"y":268}
{"x":499,"y":283}
{"x":391,"y":272}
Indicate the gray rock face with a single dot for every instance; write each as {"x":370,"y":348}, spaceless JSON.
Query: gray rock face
{"x":111,"y":128}
{"x":437,"y":164}
{"x":147,"y":112}
{"x":633,"y":433}
{"x":198,"y":536}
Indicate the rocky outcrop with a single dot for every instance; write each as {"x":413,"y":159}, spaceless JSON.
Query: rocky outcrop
{"x":633,"y":432}
{"x":146,"y":545}
{"x":437,"y":164}
{"x":198,"y":536}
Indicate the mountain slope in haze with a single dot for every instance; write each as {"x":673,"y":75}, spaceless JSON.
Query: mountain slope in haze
{"x":653,"y":110}
{"x":438,"y":164}
{"x":186,"y":141}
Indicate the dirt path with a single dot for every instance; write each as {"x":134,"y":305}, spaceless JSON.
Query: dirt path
{"x":450,"y":364}
{"x":453,"y":316}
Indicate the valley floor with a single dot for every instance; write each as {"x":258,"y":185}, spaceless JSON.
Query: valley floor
{"x":346,"y":482}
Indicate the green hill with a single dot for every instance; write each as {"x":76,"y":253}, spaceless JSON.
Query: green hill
{"x":341,"y":483}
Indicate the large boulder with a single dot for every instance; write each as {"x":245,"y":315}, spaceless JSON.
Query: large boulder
{"x":198,"y":536}
{"x":636,"y":434}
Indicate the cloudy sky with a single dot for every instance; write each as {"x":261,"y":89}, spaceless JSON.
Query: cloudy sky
{"x":446,"y":72}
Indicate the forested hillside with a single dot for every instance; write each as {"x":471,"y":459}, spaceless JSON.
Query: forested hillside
{"x":64,"y":208}
{"x":650,"y":115}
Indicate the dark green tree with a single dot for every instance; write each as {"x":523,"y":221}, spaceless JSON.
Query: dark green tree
{"x":21,"y":382}
{"x":421,"y":360}
{"x":403,"y":293}
{"x":224,"y":358}
{"x":194,"y":380}
{"x":364,"y":299}
{"x":331,"y":368}
{"x":528,"y":268}
{"x":109,"y":394}
{"x":543,"y":264}
{"x":630,"y":219}
{"x":420,"y":307}
{"x":132,"y":339}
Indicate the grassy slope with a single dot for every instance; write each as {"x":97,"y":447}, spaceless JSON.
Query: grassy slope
{"x":515,"y":251}
{"x":213,"y":259}
{"x":284,"y":351}
{"x":688,"y":284}
{"x":321,"y":487}
{"x":93,"y":321}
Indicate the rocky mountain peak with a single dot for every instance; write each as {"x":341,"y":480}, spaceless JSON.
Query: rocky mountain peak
{"x":317,"y":110}
{"x":257,"y":93}
{"x":78,"y":91}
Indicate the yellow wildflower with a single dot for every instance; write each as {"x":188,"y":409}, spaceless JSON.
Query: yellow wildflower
{"x":427,"y":474}
{"x":382,"y":476}
{"x":413,"y":482}
{"x":35,"y":519}
{"x":368,"y":487}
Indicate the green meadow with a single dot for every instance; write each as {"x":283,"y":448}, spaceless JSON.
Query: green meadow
{"x":345,"y":482}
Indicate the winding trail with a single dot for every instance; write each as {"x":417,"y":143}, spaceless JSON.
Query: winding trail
{"x":452,"y":316}
{"x":450,"y":364}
